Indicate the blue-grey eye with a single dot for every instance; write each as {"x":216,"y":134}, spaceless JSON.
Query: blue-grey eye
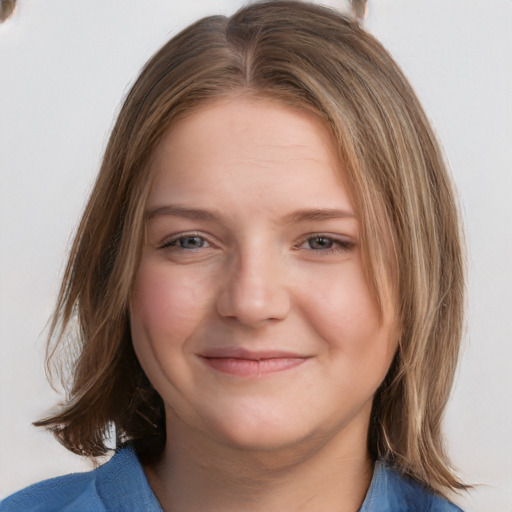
{"x":319,"y":243}
{"x":190,"y":242}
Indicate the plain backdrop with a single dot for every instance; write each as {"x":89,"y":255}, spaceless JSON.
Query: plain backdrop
{"x":64,"y":68}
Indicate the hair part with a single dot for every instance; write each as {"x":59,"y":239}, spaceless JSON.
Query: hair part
{"x":307,"y":57}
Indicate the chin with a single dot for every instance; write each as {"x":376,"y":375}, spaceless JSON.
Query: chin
{"x":264,"y":432}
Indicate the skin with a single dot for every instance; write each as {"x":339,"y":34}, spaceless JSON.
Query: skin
{"x":252,"y":317}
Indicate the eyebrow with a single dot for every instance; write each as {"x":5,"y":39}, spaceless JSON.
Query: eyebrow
{"x":314,"y":214}
{"x":318,"y":214}
{"x":181,"y":211}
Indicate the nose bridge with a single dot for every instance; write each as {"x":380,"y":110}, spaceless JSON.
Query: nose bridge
{"x":255,"y":289}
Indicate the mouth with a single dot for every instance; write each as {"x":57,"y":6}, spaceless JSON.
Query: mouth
{"x":243,"y":363}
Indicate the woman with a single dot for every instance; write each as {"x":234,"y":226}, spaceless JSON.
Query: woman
{"x":267,"y":280}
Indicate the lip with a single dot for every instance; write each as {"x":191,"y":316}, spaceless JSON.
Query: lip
{"x":246,"y":363}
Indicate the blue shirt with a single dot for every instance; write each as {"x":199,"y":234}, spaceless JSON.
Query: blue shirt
{"x":120,"y":485}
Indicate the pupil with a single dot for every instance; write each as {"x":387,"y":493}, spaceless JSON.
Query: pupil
{"x":320,"y":243}
{"x":191,"y":242}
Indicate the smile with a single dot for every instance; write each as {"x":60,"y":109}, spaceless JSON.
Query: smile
{"x":242,"y":363}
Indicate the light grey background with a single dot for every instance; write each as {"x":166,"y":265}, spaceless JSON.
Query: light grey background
{"x":64,"y":67}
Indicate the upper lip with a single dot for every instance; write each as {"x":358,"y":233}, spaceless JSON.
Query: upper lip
{"x":255,"y":355}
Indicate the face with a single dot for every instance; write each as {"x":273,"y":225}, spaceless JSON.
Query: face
{"x":250,"y":313}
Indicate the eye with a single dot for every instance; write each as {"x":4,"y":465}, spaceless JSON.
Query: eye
{"x":320,"y":243}
{"x":187,"y":242}
{"x":325,"y":244}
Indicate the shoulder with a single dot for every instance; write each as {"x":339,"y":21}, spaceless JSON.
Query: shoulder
{"x":391,"y":492}
{"x":64,"y":493}
{"x":119,"y":485}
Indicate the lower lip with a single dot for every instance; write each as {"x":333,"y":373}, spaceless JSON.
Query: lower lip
{"x":253,"y":367}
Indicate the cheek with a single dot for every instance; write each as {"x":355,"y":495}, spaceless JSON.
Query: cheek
{"x":165,"y":305}
{"x":346,"y":315}
{"x":166,"y":309}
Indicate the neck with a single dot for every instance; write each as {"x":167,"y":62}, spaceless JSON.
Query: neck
{"x":321,"y":475}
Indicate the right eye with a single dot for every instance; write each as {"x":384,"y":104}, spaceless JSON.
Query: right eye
{"x":187,"y":242}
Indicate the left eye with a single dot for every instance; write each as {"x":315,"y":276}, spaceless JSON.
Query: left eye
{"x":319,"y":243}
{"x":325,"y":244}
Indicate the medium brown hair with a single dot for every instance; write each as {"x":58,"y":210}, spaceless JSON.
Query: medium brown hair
{"x":313,"y":58}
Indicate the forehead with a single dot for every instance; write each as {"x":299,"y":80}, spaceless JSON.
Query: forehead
{"x":243,"y":145}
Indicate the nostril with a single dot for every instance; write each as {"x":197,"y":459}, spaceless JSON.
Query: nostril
{"x":253,"y":303}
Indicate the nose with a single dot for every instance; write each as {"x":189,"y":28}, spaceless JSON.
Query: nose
{"x":255,"y":291}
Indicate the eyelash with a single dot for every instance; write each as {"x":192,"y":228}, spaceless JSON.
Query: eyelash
{"x":174,"y":241}
{"x":336,"y":245}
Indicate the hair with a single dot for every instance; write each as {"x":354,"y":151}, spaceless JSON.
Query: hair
{"x":307,"y":57}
